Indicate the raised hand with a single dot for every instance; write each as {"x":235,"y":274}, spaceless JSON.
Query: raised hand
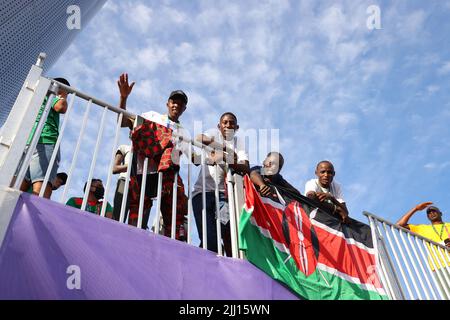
{"x":422,"y":206}
{"x":124,"y":87}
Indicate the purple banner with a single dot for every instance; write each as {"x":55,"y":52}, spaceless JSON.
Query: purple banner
{"x":53,"y":251}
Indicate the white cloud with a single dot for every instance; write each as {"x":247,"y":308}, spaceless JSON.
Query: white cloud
{"x":445,"y":68}
{"x":346,"y":119}
{"x":153,"y":57}
{"x":371,"y":67}
{"x":437,"y":166}
{"x":321,"y":74}
{"x":144,"y":89}
{"x":432,"y":89}
{"x":138,"y":17}
{"x":411,"y":24}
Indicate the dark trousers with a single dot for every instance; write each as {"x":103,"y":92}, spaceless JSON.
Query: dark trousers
{"x":118,"y":198}
{"x":211,"y":229}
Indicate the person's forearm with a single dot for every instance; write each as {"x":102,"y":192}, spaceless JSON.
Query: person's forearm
{"x":204,"y":139}
{"x":61,"y":106}
{"x":120,"y":169}
{"x":403,"y":221}
{"x":257,"y":179}
{"x":126,"y":122}
{"x":240,"y":167}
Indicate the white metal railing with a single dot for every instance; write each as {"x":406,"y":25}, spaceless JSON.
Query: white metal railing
{"x":18,"y":153}
{"x":411,"y":267}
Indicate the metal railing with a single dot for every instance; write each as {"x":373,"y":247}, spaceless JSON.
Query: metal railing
{"x":18,"y":153}
{"x":410,"y":266}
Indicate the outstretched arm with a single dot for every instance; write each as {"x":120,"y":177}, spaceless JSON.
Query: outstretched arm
{"x":403,"y":222}
{"x":125,"y":90}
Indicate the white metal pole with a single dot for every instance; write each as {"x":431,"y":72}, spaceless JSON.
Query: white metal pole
{"x":390,"y":270}
{"x":94,"y":160}
{"x":126,"y":187}
{"x":111,"y":164}
{"x":231,"y":205}
{"x":430,"y":271}
{"x":405,"y":280}
{"x":204,"y":227}
{"x":189,"y":217}
{"x":75,"y":155}
{"x":443,"y":268}
{"x":422,"y":269}
{"x":218,"y":220}
{"x":239,"y":196}
{"x":174,"y":207}
{"x":417,"y":273}
{"x":442,"y":262}
{"x":142,"y":196}
{"x":158,"y":202}
{"x":406,"y":263}
{"x":378,"y":260}
{"x":440,"y":279}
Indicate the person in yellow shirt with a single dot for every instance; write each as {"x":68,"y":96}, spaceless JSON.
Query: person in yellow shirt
{"x":438,"y":231}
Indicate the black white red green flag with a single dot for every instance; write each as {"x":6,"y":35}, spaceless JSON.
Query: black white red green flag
{"x":309,"y":250}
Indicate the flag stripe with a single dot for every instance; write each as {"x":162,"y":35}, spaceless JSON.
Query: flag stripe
{"x":340,"y":234}
{"x":325,"y":283}
{"x":321,"y":259}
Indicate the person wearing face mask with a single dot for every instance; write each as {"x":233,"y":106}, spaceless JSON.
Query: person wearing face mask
{"x":268,"y":176}
{"x":94,"y":202}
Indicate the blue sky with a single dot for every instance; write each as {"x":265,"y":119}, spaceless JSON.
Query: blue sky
{"x":374,"y":102}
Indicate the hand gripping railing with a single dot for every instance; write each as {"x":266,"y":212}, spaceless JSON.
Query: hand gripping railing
{"x":413,"y":267}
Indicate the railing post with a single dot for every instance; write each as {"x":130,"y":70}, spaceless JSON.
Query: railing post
{"x":239,"y":202}
{"x":17,"y":128}
{"x":232,"y":208}
{"x":379,"y":262}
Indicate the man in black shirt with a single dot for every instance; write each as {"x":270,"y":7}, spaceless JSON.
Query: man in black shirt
{"x":268,"y":176}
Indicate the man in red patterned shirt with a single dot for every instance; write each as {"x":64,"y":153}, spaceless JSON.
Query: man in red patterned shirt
{"x":153,"y":139}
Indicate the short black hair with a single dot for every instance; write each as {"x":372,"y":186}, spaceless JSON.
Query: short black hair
{"x":280,"y":158}
{"x":62,"y":176}
{"x":93,"y":180}
{"x":62,"y":80}
{"x":228,"y":114}
{"x":324,"y":161}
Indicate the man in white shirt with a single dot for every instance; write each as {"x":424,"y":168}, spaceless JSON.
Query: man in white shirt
{"x":176,"y":105}
{"x":327,"y":191}
{"x":221,"y":140}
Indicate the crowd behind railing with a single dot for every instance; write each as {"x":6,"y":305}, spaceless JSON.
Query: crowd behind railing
{"x":148,"y":170}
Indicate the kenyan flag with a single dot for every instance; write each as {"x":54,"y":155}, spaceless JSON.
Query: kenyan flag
{"x":309,"y":250}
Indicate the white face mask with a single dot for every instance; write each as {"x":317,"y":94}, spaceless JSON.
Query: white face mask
{"x":270,"y":167}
